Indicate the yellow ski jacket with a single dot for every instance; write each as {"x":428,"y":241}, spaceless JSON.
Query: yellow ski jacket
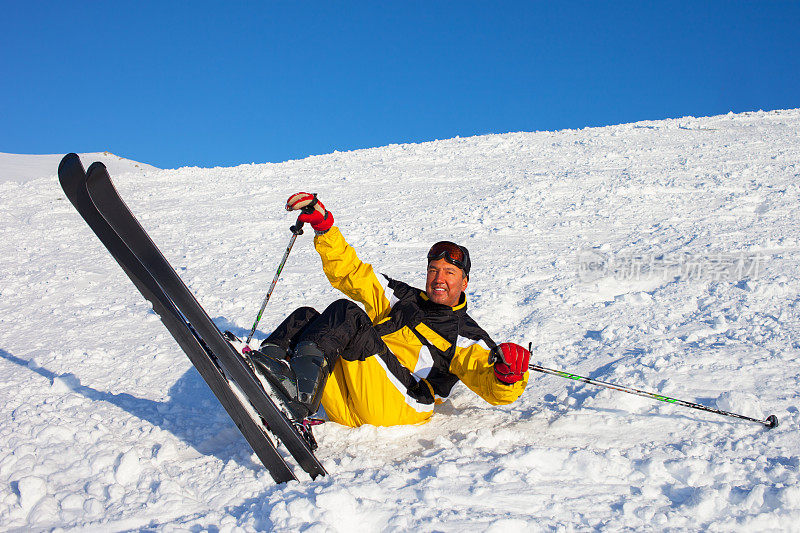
{"x":435,"y":346}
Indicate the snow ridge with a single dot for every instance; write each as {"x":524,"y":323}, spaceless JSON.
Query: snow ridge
{"x":661,"y":255}
{"x":23,"y":167}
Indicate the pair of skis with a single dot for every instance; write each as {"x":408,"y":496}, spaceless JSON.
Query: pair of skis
{"x":223,"y":369}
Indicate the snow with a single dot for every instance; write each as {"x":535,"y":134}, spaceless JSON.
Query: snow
{"x":690,"y":225}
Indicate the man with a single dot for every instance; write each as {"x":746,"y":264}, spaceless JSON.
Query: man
{"x":388,"y":363}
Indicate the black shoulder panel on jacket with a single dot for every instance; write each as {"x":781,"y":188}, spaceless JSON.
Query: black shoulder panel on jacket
{"x":401,"y":290}
{"x":471,"y":330}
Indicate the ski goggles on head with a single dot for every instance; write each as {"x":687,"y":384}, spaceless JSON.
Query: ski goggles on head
{"x":452,"y":253}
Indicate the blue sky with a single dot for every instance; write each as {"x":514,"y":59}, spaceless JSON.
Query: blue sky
{"x":223,"y":83}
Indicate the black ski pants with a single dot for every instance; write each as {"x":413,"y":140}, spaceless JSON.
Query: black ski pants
{"x":343,"y":329}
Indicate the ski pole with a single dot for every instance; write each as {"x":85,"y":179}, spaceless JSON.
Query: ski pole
{"x":771,"y":421}
{"x":296,"y":230}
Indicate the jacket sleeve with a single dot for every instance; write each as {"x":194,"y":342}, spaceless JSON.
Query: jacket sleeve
{"x":471,"y":364}
{"x":352,"y":276}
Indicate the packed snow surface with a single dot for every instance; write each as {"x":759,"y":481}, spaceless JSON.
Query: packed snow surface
{"x":658,"y":255}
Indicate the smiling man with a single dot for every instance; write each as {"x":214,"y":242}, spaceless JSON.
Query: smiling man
{"x":392,"y":361}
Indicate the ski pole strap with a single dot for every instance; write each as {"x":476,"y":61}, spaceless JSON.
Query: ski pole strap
{"x":771,"y":421}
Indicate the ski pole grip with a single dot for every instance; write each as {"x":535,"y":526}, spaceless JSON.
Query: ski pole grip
{"x":297,"y":229}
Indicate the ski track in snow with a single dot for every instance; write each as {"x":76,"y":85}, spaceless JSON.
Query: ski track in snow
{"x":106,"y":426}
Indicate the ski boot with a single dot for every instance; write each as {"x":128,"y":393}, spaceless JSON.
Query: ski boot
{"x":295,"y":384}
{"x":299,"y":381}
{"x":270,"y":346}
{"x":270,"y":362}
{"x":311,"y":370}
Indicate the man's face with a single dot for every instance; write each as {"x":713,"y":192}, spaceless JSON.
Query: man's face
{"x":445,"y":282}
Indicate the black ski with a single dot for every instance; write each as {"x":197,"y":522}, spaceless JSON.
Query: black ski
{"x":114,"y":210}
{"x":73,"y":181}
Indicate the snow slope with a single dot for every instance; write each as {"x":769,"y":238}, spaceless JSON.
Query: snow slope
{"x":106,"y":426}
{"x":23,"y":167}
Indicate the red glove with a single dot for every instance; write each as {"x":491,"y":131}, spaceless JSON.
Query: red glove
{"x":511,"y":362}
{"x":320,"y":219}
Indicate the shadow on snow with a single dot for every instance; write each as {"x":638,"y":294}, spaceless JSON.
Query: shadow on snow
{"x":192,"y":412}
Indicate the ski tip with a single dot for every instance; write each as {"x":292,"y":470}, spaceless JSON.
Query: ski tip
{"x":246,"y":349}
{"x":96,"y":164}
{"x":68,"y":159}
{"x":771,"y":421}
